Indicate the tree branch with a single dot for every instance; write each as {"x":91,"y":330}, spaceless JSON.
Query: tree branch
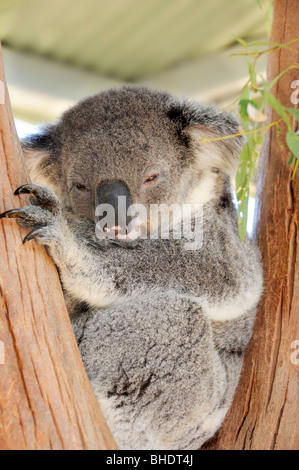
{"x":46,"y":401}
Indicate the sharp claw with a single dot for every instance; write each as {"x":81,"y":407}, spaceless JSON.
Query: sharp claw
{"x":13,"y":214}
{"x":27,"y":189}
{"x":32,"y":235}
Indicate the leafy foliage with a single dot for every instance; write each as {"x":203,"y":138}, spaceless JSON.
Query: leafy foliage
{"x":250,"y":106}
{"x":251,"y":109}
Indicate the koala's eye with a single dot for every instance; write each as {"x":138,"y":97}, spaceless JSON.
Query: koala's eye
{"x":81,"y":187}
{"x":150,"y":179}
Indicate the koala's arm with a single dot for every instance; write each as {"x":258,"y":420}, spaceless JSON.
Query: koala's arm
{"x":78,"y":263}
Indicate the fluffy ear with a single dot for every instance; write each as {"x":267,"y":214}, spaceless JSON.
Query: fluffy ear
{"x":41,"y":152}
{"x":195,"y":123}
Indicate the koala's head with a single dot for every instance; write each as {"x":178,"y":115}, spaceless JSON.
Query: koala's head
{"x":134,"y":142}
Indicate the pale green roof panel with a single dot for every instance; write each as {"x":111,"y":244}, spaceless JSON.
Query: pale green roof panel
{"x":127,"y":39}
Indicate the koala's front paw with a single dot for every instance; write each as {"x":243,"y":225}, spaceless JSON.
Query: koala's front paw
{"x":42,"y":197}
{"x":43,"y":215}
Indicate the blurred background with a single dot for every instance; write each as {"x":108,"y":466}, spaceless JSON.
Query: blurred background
{"x":59,"y":51}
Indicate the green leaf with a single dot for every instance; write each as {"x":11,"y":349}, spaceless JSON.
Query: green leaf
{"x":269,"y":44}
{"x":245,"y":121}
{"x":295,"y":113}
{"x":245,"y":93}
{"x":272,"y":83}
{"x":248,"y":159}
{"x":241,"y":41}
{"x":292,"y":140}
{"x":252,"y":73}
{"x":259,"y":3}
{"x":242,"y":190}
{"x":295,"y":169}
{"x":243,"y":107}
{"x":278,"y":108}
{"x":291,"y":159}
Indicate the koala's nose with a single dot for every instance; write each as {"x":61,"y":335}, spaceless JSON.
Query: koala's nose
{"x":117,"y":195}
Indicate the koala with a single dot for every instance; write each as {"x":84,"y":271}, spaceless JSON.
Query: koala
{"x":162,"y":325}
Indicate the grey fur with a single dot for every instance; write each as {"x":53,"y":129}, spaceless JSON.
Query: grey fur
{"x":162,"y":331}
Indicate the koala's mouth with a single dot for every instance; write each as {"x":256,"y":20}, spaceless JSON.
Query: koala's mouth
{"x":117,"y":232}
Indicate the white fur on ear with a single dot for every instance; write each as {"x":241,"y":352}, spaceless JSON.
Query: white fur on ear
{"x":204,"y":191}
{"x":220,"y":154}
{"x":33,"y":159}
{"x":36,"y":161}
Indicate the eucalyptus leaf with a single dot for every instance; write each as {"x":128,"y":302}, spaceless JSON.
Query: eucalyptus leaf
{"x":245,"y":121}
{"x":278,"y":108}
{"x":241,"y":41}
{"x":243,"y":107}
{"x":292,"y":140}
{"x":245,"y":93}
{"x":242,"y":190}
{"x":252,"y":73}
{"x":295,"y":169}
{"x":295,"y":113}
{"x":291,"y":159}
{"x":269,"y":44}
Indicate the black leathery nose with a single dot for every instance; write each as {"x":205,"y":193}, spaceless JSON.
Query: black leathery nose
{"x":109,"y":192}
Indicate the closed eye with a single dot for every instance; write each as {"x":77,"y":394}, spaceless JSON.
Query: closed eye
{"x":150,"y":179}
{"x":81,"y":187}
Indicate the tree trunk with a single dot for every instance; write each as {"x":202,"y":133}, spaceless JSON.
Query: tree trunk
{"x":265,"y":411}
{"x":46,"y":401}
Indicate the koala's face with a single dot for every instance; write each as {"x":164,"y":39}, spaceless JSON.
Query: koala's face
{"x":128,"y":152}
{"x":137,"y":143}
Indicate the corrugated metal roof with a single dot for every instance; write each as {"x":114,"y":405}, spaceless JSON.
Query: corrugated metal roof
{"x":127,"y":39}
